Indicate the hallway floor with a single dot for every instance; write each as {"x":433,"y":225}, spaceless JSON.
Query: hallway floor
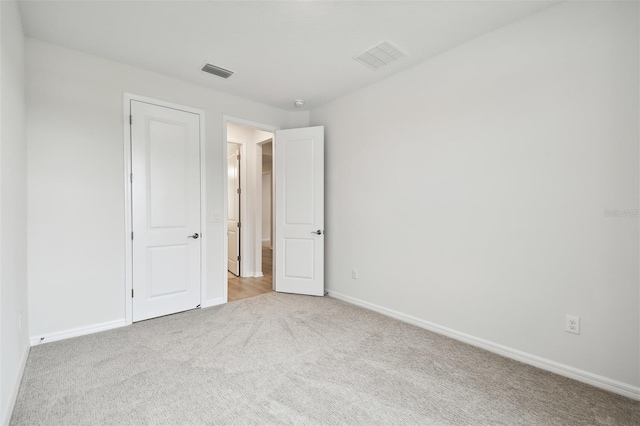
{"x":240,"y":288}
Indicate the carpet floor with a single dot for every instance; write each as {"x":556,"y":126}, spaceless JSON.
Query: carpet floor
{"x":287,"y":359}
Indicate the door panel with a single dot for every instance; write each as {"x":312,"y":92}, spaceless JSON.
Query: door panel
{"x":299,"y":211}
{"x":165,"y":152}
{"x":299,"y":181}
{"x":233,"y":214}
{"x":299,"y":258}
{"x":167,"y":183}
{"x":166,"y":264}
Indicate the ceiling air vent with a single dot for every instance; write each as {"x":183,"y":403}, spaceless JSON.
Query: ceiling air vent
{"x":380,"y":55}
{"x":220,"y":72}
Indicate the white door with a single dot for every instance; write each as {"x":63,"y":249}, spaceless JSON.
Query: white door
{"x":299,"y":211}
{"x":165,"y":163}
{"x":233,"y":215}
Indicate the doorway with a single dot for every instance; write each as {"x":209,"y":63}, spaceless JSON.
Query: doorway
{"x":233,"y":208}
{"x":297,"y":260}
{"x":267,"y":195}
{"x":249,"y":211}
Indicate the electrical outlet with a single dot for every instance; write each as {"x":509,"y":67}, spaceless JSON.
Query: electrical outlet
{"x":572,"y":324}
{"x":354,"y":274}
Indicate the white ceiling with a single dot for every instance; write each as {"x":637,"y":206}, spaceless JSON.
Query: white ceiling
{"x":280,"y":51}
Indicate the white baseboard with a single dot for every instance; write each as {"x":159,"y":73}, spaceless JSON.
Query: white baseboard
{"x":258,"y":275}
{"x":81,"y":331}
{"x":16,"y":387}
{"x":213,"y":302}
{"x":601,"y":382}
{"x":75,"y":332}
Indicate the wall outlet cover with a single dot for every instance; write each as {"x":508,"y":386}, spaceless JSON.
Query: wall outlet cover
{"x":572,"y":324}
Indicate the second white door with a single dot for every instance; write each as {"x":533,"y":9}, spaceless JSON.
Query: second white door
{"x":299,"y":211}
{"x":165,"y":153}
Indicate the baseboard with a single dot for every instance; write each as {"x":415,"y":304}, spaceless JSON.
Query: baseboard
{"x":258,"y":275}
{"x":601,"y":382}
{"x":75,"y":332}
{"x":16,"y":387}
{"x":212,"y":302}
{"x":81,"y":331}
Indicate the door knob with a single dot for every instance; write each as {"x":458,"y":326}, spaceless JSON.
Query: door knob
{"x":318,"y":232}
{"x":194,"y":236}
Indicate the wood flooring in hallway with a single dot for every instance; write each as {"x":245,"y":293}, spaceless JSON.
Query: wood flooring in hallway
{"x":240,"y":288}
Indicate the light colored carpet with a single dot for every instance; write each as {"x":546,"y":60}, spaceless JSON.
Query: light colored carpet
{"x":286,"y":359}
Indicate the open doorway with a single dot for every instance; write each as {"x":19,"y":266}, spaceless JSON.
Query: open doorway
{"x":233,"y":208}
{"x":250,"y":211}
{"x":267,"y":195}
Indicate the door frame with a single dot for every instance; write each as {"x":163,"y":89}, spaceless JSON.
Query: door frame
{"x":128,"y":202}
{"x":243,"y":197}
{"x":226,"y":119}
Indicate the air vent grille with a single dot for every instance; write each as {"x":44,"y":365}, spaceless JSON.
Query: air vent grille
{"x":380,"y":55}
{"x":220,"y":72}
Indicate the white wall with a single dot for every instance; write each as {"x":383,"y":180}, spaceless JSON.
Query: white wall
{"x":470,"y":190}
{"x":14,"y":342}
{"x":76,"y":185}
{"x":298,"y":119}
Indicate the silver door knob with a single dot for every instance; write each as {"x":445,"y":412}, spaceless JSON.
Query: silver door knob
{"x":194,"y":236}
{"x":318,"y":232}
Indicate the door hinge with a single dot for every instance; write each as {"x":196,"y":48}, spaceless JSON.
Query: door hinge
{"x":130,"y":120}
{"x":131,"y":177}
{"x":238,"y":190}
{"x":238,"y":258}
{"x":132,"y":293}
{"x":238,"y":224}
{"x":132,"y":235}
{"x":238,"y":157}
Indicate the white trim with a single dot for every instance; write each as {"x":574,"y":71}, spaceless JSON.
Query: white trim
{"x":257,"y":213}
{"x":248,"y":123}
{"x":226,"y":119}
{"x":204,"y":232}
{"x":75,"y":332}
{"x":213,"y":302}
{"x":225,"y":213}
{"x":128,"y":228}
{"x":128,"y":225}
{"x":16,"y":388}
{"x":583,"y":376}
